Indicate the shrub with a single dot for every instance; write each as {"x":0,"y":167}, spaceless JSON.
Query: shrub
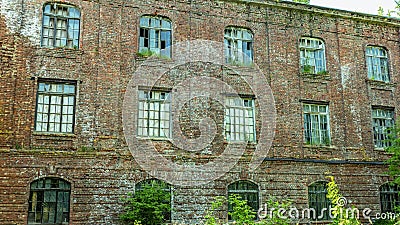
{"x":147,"y":206}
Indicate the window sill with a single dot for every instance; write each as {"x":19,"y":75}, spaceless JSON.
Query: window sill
{"x":49,"y":134}
{"x":315,"y":76}
{"x":319,"y":146}
{"x":382,"y":85}
{"x":59,"y":52}
{"x":154,"y":138}
{"x":250,"y":144}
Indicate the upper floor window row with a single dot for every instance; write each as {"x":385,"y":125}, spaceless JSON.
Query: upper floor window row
{"x":313,"y":59}
{"x":61,"y":28}
{"x":61,"y":25}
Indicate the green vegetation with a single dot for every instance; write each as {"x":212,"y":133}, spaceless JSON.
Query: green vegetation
{"x":243,"y":214}
{"x":339,"y":212}
{"x":390,"y":13}
{"x":147,"y":206}
{"x":302,"y":1}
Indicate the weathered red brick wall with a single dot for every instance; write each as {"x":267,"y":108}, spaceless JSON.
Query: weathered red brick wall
{"x":96,"y":160}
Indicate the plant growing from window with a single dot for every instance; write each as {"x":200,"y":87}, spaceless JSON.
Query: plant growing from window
{"x":148,"y":205}
{"x":243,"y":214}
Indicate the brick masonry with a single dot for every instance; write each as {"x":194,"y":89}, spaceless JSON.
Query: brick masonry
{"x":96,"y":160}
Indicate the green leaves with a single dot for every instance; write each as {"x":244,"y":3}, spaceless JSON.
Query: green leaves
{"x":147,"y":206}
{"x":302,"y":1}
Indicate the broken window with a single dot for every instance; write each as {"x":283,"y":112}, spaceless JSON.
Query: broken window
{"x":377,"y":63}
{"x":316,"y":124}
{"x":382,"y":121}
{"x":60,"y":26}
{"x":312,"y":56}
{"x":154,"y":114}
{"x":155,"y":36}
{"x":389,"y":196}
{"x":49,"y":201}
{"x":238,"y":46}
{"x":240,"y":119}
{"x":55,"y":108}
{"x":319,"y":204}
{"x":247,"y":191}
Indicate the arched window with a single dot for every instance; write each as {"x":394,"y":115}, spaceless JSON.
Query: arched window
{"x":318,"y":202}
{"x":60,"y":27}
{"x":49,"y":201}
{"x":155,"y":36}
{"x":238,"y":46}
{"x":247,"y":191}
{"x":377,"y":63}
{"x":389,"y":195}
{"x":312,"y":55}
{"x":166,"y":188}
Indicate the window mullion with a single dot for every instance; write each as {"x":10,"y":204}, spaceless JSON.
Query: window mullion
{"x":61,"y":111}
{"x":54,"y":31}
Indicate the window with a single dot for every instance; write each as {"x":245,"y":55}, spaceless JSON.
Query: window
{"x":55,"y":107}
{"x":155,"y":36}
{"x":247,"y":191}
{"x":240,"y":119}
{"x":377,"y":63}
{"x":389,"y":194}
{"x":49,"y":201}
{"x":166,"y":188}
{"x":60,"y":26}
{"x":312,"y":56}
{"x":318,"y":202}
{"x":382,"y":121}
{"x":316,"y":124}
{"x":238,"y":46}
{"x":154,"y":114}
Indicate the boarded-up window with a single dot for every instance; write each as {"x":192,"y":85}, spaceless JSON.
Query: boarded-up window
{"x":49,"y":201}
{"x":155,"y":36}
{"x":240,"y":119}
{"x":60,"y":27}
{"x":377,"y":63}
{"x":238,"y":46}
{"x":55,"y":108}
{"x":154,"y":114}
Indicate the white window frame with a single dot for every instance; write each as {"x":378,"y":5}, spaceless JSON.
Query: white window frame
{"x":377,"y":63}
{"x":382,"y":120}
{"x":312,"y":55}
{"x":240,"y":122}
{"x":155,"y":35}
{"x":55,"y":107}
{"x":238,"y":46}
{"x":60,"y":26}
{"x":154,"y":114}
{"x":316,"y":124}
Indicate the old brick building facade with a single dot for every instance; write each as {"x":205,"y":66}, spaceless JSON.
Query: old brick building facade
{"x":65,"y":66}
